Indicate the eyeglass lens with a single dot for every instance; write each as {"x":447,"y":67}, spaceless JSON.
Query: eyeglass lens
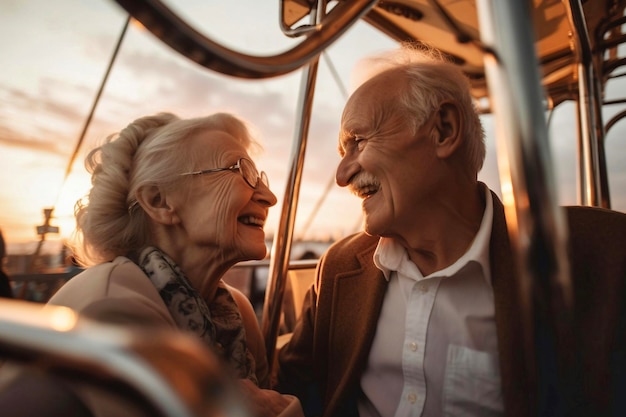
{"x":251,"y":174}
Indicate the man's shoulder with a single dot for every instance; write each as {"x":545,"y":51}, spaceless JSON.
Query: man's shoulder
{"x":597,"y":230}
{"x":588,"y":213}
{"x":350,"y":252}
{"x":596,"y":220}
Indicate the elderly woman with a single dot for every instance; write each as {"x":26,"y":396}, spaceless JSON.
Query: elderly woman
{"x":173,"y":205}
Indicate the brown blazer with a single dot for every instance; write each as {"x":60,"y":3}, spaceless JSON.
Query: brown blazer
{"x":325,"y":358}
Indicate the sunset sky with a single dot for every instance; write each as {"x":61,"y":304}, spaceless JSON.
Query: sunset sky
{"x":54,"y":55}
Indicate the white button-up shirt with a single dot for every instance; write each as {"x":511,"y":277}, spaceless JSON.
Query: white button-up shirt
{"x":435,"y":351}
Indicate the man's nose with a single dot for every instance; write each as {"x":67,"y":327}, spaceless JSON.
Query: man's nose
{"x":347,"y":169}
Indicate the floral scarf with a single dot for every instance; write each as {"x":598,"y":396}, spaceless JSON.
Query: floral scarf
{"x":219,"y":324}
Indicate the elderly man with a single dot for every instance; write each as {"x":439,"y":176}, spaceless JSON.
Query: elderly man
{"x":419,"y":315}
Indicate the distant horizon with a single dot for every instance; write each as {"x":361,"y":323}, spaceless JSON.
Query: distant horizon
{"x":56,"y":248}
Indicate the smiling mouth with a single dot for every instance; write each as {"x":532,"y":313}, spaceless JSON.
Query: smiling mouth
{"x":366,"y":192}
{"x":363,"y":190}
{"x":364,"y":185}
{"x":251,"y":221}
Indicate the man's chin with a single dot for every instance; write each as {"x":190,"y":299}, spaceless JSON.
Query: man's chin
{"x":371,"y":228}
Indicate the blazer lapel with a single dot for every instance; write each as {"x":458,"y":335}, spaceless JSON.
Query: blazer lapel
{"x":357,"y":300}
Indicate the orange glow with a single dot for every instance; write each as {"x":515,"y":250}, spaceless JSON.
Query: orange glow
{"x":137,"y":24}
{"x":62,"y":319}
{"x":76,"y":186}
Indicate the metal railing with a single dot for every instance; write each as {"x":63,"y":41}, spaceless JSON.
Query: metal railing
{"x":165,"y":373}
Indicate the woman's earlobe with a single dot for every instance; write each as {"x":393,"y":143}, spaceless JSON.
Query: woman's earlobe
{"x":155,"y":205}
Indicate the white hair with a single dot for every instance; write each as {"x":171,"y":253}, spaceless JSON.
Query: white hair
{"x":432,"y":79}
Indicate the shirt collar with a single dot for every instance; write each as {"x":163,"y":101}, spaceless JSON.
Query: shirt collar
{"x":390,"y":256}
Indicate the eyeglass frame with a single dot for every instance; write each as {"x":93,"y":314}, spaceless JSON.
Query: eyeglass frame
{"x":260,"y":176}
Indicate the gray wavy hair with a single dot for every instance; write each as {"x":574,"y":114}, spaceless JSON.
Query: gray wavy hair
{"x":151,"y":150}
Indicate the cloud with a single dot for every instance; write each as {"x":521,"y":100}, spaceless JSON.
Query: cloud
{"x":43,"y":122}
{"x":269,"y":105}
{"x":16,"y":139}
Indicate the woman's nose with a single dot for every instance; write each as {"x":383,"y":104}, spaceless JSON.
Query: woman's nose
{"x":263,"y":194}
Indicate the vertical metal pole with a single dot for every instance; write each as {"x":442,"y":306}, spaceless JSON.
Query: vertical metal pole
{"x":588,"y":168}
{"x":588,"y":156}
{"x":281,"y":247}
{"x":536,"y":224}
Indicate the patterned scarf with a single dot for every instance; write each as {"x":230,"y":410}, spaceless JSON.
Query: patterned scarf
{"x":219,"y":324}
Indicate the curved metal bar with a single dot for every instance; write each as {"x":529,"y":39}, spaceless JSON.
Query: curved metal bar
{"x":176,"y":33}
{"x":619,"y":116}
{"x":131,"y":364}
{"x":300,"y":30}
{"x":611,"y":66}
{"x":604,"y":39}
{"x":607,"y":26}
{"x":535,"y":222}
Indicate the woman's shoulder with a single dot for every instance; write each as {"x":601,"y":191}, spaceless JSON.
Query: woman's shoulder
{"x":240,"y":297}
{"x":115,"y":291}
{"x":93,"y":282}
{"x":254,"y":337}
{"x":243,"y":304}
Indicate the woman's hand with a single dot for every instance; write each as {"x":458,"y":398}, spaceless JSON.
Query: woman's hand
{"x":268,"y":403}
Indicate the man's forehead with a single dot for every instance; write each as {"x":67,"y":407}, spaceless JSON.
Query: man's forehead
{"x":377,"y":92}
{"x":380,"y":88}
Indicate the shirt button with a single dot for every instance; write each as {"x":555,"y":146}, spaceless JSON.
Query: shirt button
{"x":413,"y":346}
{"x":422,"y":287}
{"x":411,"y":398}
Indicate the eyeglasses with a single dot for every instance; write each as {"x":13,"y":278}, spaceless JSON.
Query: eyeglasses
{"x":245,"y":167}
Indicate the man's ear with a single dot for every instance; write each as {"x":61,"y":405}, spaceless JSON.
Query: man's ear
{"x":155,"y":204}
{"x":448,"y":129}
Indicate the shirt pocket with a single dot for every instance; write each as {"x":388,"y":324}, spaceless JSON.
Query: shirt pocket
{"x":472,"y":384}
